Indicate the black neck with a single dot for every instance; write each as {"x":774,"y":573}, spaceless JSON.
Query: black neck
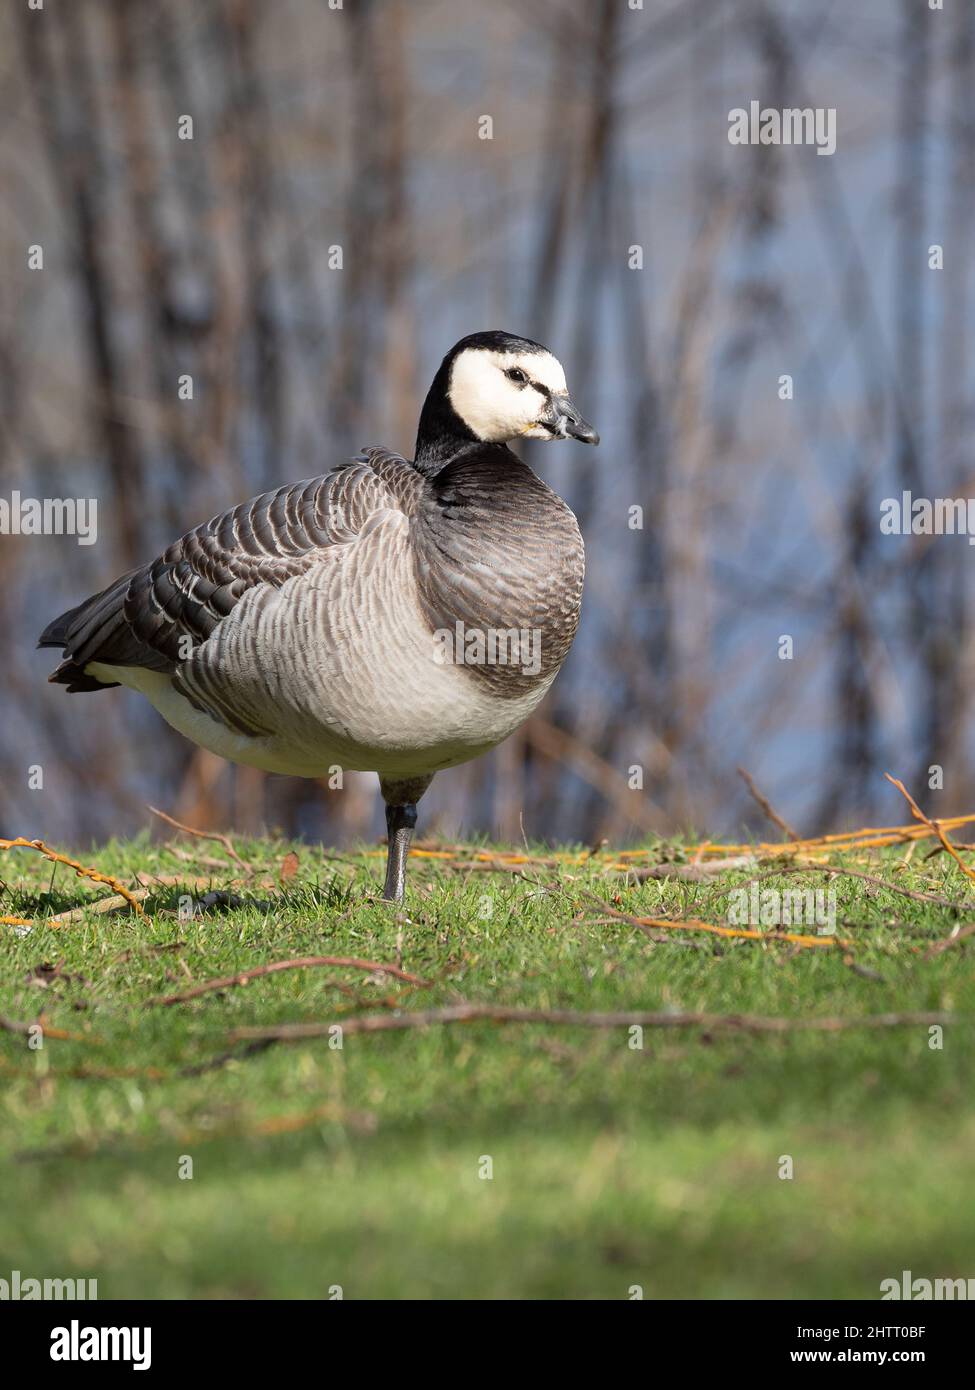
{"x":441,"y":434}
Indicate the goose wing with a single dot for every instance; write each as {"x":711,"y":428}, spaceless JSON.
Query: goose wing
{"x":158,"y":617}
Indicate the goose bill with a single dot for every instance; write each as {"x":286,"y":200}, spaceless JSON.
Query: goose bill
{"x":562,"y":419}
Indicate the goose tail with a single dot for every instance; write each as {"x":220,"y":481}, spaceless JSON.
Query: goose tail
{"x":95,"y":630}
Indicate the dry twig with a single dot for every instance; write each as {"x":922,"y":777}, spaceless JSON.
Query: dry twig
{"x":934,"y":825}
{"x":302,"y":963}
{"x":214,"y":835}
{"x":766,"y":805}
{"x":647,"y":924}
{"x":496,"y":1013}
{"x":959,"y":934}
{"x":80,"y":870}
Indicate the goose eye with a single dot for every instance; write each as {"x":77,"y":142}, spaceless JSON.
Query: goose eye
{"x":516,"y":374}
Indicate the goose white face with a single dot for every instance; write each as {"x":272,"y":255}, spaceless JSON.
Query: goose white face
{"x":510,"y":395}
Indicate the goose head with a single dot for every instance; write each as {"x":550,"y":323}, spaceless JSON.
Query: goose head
{"x":493,"y":388}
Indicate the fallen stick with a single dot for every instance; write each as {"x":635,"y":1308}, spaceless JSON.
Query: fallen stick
{"x":766,"y":805}
{"x":496,"y":1013}
{"x":959,"y":934}
{"x":848,"y":841}
{"x":215,"y":835}
{"x":195,"y":881}
{"x":687,"y":873}
{"x":933,"y":824}
{"x":694,"y":924}
{"x":76,"y":914}
{"x":209,"y":861}
{"x":80,"y":869}
{"x":301,"y":963}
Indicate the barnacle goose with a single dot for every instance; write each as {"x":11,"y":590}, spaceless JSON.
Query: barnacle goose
{"x":389,"y":616}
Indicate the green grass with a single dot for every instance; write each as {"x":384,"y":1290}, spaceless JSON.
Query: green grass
{"x":315,"y":1167}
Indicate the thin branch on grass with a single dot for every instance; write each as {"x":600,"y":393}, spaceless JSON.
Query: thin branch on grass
{"x":766,"y":805}
{"x":869,"y":837}
{"x":496,"y":1013}
{"x":687,"y":873}
{"x":80,"y":869}
{"x":77,"y":914}
{"x":199,"y":883}
{"x":958,"y":935}
{"x":615,"y":915}
{"x":209,"y":861}
{"x":223,"y":1058}
{"x":301,"y":963}
{"x":695,"y":924}
{"x":215,"y":835}
{"x":864,"y":971}
{"x":933,"y":824}
{"x":939,"y":849}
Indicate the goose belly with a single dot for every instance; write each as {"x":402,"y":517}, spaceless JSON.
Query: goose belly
{"x":339,"y":668}
{"x":393,"y":713}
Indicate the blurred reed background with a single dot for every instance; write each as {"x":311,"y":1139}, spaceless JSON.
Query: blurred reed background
{"x":360,"y":127}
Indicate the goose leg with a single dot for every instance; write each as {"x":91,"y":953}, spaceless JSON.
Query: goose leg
{"x":400,"y":799}
{"x":400,"y":821}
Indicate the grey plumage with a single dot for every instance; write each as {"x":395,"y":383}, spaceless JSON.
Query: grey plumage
{"x":298,"y":627}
